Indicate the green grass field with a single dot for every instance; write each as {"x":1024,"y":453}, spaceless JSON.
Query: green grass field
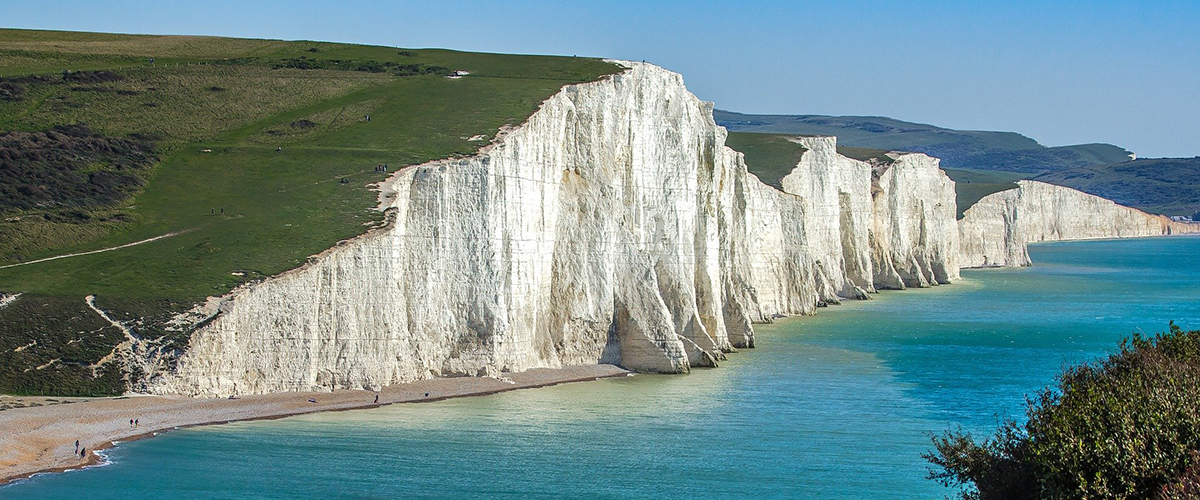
{"x":217,"y":111}
{"x":772,"y":156}
{"x":768,"y":156}
{"x":870,"y":155}
{"x":970,"y":186}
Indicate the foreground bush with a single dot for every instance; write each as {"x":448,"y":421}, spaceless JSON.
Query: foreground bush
{"x":1126,"y":427}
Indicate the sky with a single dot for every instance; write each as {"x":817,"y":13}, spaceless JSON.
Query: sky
{"x":1061,"y":72}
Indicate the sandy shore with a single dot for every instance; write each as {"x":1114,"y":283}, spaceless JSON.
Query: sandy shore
{"x":42,"y":438}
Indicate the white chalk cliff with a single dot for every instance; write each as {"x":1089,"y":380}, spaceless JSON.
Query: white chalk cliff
{"x":842,"y":228}
{"x":613,"y":226}
{"x":995,"y":231}
{"x":914,"y":238}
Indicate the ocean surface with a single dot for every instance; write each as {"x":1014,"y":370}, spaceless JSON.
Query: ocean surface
{"x":836,"y":406}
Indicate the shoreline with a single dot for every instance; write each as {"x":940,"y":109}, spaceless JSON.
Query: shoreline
{"x":40,"y":439}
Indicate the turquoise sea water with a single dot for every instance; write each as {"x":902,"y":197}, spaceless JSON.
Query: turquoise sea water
{"x":836,"y":406}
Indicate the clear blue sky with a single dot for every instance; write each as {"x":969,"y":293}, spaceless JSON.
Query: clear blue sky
{"x":1061,"y":72}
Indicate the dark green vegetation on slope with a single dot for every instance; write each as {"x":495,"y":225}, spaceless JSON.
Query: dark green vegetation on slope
{"x":259,"y":152}
{"x":49,"y":346}
{"x":1164,"y":185}
{"x":1124,"y":427}
{"x":973,"y":149}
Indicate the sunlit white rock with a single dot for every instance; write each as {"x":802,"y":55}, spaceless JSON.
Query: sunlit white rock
{"x":613,"y":226}
{"x":995,"y":231}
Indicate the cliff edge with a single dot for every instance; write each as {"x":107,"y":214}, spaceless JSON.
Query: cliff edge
{"x":613,"y":226}
{"x":995,"y":231}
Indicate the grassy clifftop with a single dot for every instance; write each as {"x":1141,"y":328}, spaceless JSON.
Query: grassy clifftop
{"x":970,"y":185}
{"x":769,"y":156}
{"x":257,"y":153}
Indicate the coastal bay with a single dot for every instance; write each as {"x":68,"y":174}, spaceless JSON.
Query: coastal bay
{"x":837,"y":405}
{"x":42,"y":438}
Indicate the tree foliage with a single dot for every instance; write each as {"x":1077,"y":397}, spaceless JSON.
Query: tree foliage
{"x":1125,"y":427}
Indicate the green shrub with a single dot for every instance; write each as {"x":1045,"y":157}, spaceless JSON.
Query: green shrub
{"x":366,"y":65}
{"x":1187,"y":487}
{"x":70,"y":166}
{"x":51,"y":345}
{"x":1125,"y":427}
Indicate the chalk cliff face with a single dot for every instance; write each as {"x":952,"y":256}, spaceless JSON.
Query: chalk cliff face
{"x":613,"y":226}
{"x":995,"y":231}
{"x":989,"y":233}
{"x":836,"y":195}
{"x":598,"y":231}
{"x":915,"y":236}
{"x":782,"y":267}
{"x":842,"y":228}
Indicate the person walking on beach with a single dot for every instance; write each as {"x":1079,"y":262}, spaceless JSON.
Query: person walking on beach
{"x":76,"y":446}
{"x":131,"y":423}
{"x":83,"y":452}
{"x":376,"y":399}
{"x":136,"y":423}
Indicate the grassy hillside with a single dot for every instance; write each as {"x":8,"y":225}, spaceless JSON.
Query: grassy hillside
{"x":259,"y":153}
{"x":768,"y":156}
{"x":1035,"y":161}
{"x":972,"y":185}
{"x":1162,"y":185}
{"x":971,"y":149}
{"x":869,"y":155}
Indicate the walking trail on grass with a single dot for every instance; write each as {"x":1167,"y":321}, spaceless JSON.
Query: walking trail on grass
{"x":109,"y":249}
